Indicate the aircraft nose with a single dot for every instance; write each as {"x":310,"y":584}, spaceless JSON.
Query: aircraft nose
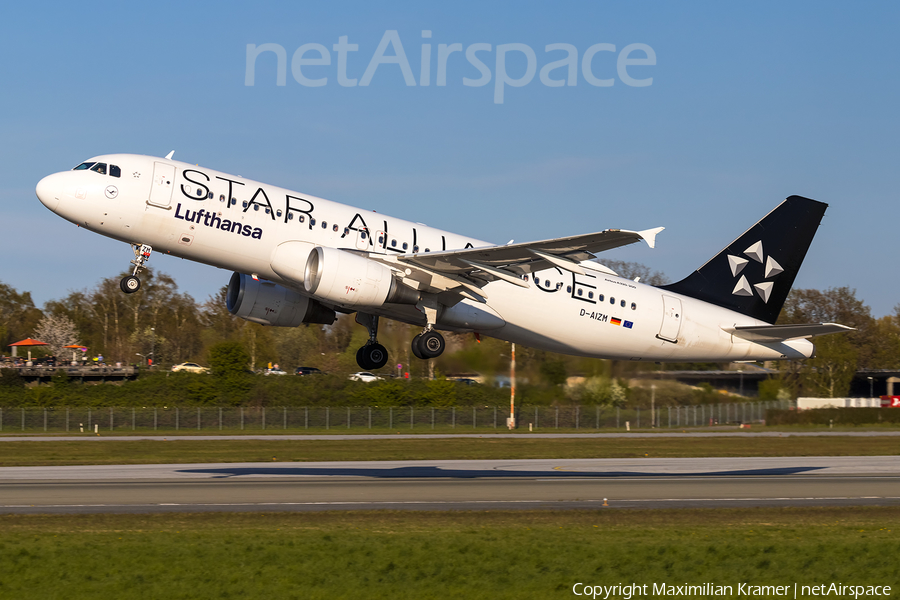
{"x":48,"y":191}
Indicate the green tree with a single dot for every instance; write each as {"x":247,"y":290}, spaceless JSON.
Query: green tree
{"x":18,"y":315}
{"x":228,"y":363}
{"x":554,"y":371}
{"x":228,"y":359}
{"x":837,"y":356}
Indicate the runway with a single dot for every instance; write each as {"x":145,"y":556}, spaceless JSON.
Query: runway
{"x":453,"y":485}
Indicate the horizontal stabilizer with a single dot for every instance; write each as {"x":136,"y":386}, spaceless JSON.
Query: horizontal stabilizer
{"x":776,"y":333}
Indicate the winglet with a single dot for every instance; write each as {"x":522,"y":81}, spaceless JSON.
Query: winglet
{"x":170,"y":155}
{"x":649,"y":235}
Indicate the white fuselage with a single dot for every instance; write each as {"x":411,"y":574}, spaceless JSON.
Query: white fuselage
{"x":233,"y":223}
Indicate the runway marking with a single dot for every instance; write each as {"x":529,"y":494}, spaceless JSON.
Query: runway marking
{"x":450,"y":502}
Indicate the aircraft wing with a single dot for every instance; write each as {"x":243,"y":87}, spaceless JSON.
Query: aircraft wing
{"x":466,"y":271}
{"x":776,"y":333}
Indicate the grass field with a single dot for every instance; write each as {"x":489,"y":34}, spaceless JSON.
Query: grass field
{"x":439,"y":555}
{"x":161,"y":451}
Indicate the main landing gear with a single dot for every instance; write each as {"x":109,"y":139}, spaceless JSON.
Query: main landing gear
{"x":130,"y":283}
{"x":373,"y":355}
{"x":428,"y":344}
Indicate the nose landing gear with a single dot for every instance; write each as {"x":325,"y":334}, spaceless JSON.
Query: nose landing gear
{"x":130,"y":283}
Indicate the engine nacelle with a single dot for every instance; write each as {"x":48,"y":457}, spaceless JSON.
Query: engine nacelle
{"x":268,"y":303}
{"x":352,"y":280}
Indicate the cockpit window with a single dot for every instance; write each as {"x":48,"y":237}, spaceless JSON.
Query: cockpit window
{"x":83,"y":166}
{"x":99,"y":168}
{"x":115,"y":171}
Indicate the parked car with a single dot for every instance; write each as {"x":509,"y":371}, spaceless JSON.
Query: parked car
{"x":308,"y":371}
{"x":365,"y":377}
{"x":190,"y":367}
{"x":274,"y":372}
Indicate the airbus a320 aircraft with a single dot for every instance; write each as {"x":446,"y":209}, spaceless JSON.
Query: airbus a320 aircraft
{"x":301,"y":259}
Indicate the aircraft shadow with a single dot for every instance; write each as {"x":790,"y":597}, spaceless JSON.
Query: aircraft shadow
{"x":425,"y":472}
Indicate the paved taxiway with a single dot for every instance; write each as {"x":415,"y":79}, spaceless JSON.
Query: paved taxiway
{"x":442,"y":485}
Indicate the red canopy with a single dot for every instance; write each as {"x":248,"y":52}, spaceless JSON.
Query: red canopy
{"x":29,"y":342}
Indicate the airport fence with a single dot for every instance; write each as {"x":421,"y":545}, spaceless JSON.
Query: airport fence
{"x":397,"y":418}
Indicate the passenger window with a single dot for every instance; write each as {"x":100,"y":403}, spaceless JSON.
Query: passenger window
{"x":633,"y":306}
{"x":568,"y":289}
{"x":312,"y":222}
{"x":334,"y":228}
{"x":600,"y":298}
{"x":99,"y":168}
{"x":362,"y":235}
{"x":591,"y":295}
{"x":115,"y":171}
{"x":324,"y":224}
{"x":622,"y":304}
{"x":393,"y":243}
{"x":221,"y":197}
{"x":291,"y":216}
{"x":405,"y":245}
{"x":612,"y":300}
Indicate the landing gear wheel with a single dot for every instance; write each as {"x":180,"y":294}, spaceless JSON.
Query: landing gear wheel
{"x":414,"y":346}
{"x":431,"y":344}
{"x":130,"y":284}
{"x":361,"y":359}
{"x":372,"y":356}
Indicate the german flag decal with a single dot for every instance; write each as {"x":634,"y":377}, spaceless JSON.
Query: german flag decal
{"x":615,"y":321}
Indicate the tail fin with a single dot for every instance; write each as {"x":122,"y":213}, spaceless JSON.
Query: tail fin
{"x":754,"y":274}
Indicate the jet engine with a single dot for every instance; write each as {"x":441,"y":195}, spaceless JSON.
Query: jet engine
{"x":268,"y":303}
{"x":353,"y":280}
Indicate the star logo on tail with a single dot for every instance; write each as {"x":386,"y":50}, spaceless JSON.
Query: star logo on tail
{"x":754,"y":254}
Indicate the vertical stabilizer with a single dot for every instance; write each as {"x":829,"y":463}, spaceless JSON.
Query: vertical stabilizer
{"x":754,"y":274}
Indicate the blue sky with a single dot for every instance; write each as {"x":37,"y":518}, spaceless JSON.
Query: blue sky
{"x":749,"y":103}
